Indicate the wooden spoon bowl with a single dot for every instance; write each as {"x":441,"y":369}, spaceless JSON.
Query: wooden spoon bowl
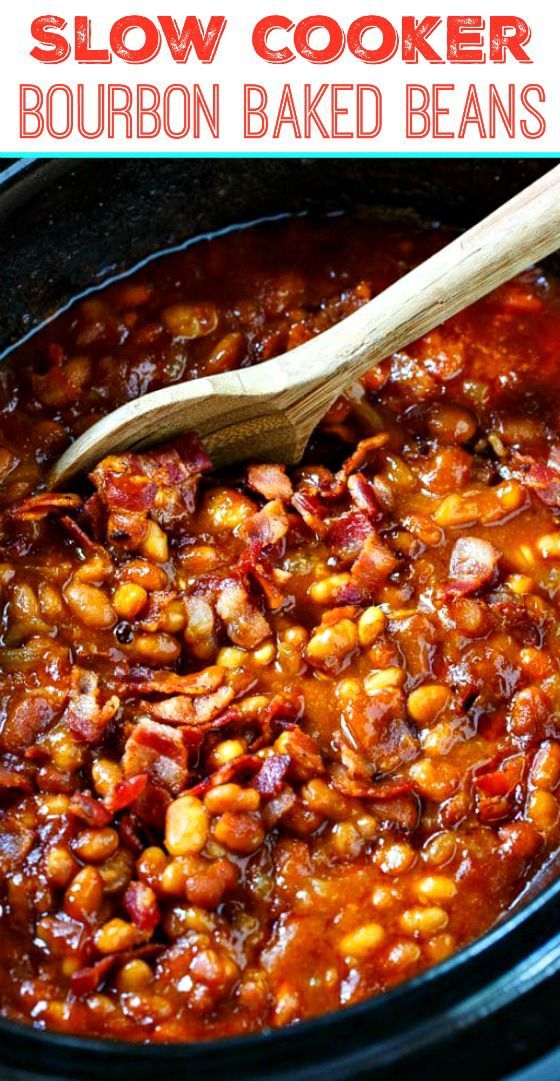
{"x":269,"y":411}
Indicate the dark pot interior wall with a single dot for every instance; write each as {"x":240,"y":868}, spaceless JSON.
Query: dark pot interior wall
{"x":68,"y":224}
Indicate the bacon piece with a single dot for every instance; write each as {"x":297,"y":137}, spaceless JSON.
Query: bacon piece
{"x":84,"y":715}
{"x":347,"y":535}
{"x":312,"y":510}
{"x":267,"y":526}
{"x":127,"y":528}
{"x":374,"y":564}
{"x":208,"y":707}
{"x":275,"y":809}
{"x":78,"y":534}
{"x":159,"y":751}
{"x":140,"y":903}
{"x":150,"y":808}
{"x":192,"y":453}
{"x":153,"y":615}
{"x":89,"y":979}
{"x":358,"y":788}
{"x":163,"y":483}
{"x":129,"y":491}
{"x":542,"y":477}
{"x":502,"y":781}
{"x":125,"y":792}
{"x":176,"y":710}
{"x":243,"y":767}
{"x":122,"y":484}
{"x":365,"y":448}
{"x":245,"y":624}
{"x":39,"y":506}
{"x":270,"y":481}
{"x":472,"y":565}
{"x":400,"y":811}
{"x":363,"y":495}
{"x":304,"y":754}
{"x":14,"y":779}
{"x":89,"y":810}
{"x":275,"y":599}
{"x":130,"y":828}
{"x":380,"y":730}
{"x":27,"y":717}
{"x":148,"y":681}
{"x":270,"y":779}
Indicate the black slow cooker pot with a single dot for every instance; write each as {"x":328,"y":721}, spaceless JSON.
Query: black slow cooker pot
{"x":67,"y":226}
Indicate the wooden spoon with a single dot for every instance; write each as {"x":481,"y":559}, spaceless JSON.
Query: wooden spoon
{"x":268,"y":412}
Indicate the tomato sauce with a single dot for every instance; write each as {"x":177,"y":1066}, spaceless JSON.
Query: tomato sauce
{"x":272,"y":741}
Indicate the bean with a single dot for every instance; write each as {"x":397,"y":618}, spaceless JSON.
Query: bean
{"x":226,"y":751}
{"x":232,"y":657}
{"x":424,"y":921}
{"x":239,"y":832}
{"x":151,"y":865}
{"x":435,"y":780}
{"x":385,"y":897}
{"x":451,"y":423}
{"x":440,"y":947}
{"x":84,"y":896}
{"x":134,"y":976}
{"x":329,"y":646}
{"x":440,"y":848}
{"x":403,"y":954}
{"x":186,"y":826}
{"x":326,"y":590}
{"x":89,"y":605}
{"x":227,"y":354}
{"x":155,"y":545}
{"x":346,"y":840}
{"x":520,"y":584}
{"x":325,"y":800}
{"x":190,"y":320}
{"x":227,"y":509}
{"x":115,"y":936}
{"x":363,"y":941}
{"x":438,"y":888}
{"x":424,"y":703}
{"x":542,"y":809}
{"x":144,"y":574}
{"x":105,"y":775}
{"x":370,"y":625}
{"x":95,"y":846}
{"x":116,"y":871}
{"x":129,"y":600}
{"x":231,"y":797}
{"x":392,"y":676}
{"x":545,"y":768}
{"x":396,"y":858}
{"x":157,"y":649}
{"x":60,"y":866}
{"x":549,"y":545}
{"x":264,"y":655}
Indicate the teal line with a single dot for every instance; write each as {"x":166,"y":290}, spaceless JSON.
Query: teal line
{"x":282,"y":154}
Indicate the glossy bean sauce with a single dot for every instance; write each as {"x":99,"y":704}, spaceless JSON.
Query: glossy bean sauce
{"x":275,"y":740}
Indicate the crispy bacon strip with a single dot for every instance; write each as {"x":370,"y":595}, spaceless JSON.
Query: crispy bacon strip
{"x":159,"y":751}
{"x":472,"y":565}
{"x":39,"y":506}
{"x":270,"y":481}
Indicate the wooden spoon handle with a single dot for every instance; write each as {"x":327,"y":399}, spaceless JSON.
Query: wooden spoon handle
{"x":523,"y":230}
